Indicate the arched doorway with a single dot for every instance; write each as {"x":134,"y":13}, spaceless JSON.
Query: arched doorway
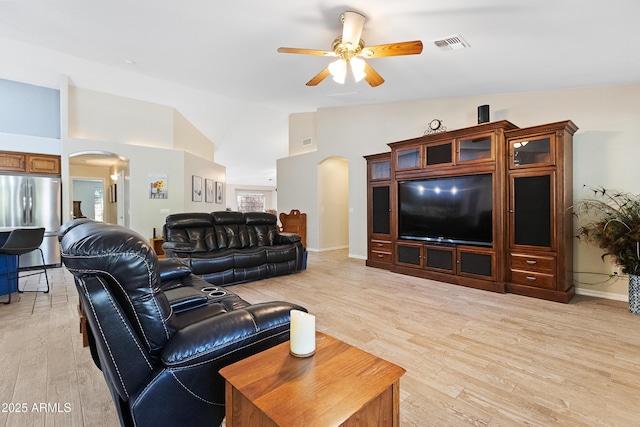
{"x":98,"y":181}
{"x":333,"y":204}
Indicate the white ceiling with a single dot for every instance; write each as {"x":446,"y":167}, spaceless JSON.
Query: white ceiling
{"x":228,"y":50}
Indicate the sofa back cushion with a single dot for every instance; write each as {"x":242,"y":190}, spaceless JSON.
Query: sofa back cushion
{"x":231,"y":231}
{"x":195,"y":229}
{"x":262,"y":228}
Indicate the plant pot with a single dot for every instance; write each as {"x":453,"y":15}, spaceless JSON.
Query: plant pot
{"x":634,"y":294}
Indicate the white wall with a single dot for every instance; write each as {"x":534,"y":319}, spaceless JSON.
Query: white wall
{"x":155,"y":139}
{"x":605,"y":151}
{"x":104,"y":117}
{"x":204,"y":169}
{"x":302,"y":128}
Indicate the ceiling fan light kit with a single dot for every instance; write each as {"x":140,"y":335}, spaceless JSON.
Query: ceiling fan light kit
{"x":350,"y":49}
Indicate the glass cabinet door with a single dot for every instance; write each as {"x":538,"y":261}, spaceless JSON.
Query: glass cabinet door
{"x":381,"y":170}
{"x":532,"y":210}
{"x":474,"y":149}
{"x":531,"y":152}
{"x":408,"y":159}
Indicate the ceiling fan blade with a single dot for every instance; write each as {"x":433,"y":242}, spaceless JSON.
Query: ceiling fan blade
{"x":393,"y":49}
{"x":319,"y":77}
{"x":353,"y":23}
{"x":373,"y":78}
{"x":306,"y":51}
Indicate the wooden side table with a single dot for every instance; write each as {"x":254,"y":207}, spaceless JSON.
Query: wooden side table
{"x":156,"y":244}
{"x":340,"y":385}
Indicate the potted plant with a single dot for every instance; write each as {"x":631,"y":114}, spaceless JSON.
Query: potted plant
{"x":611,"y":221}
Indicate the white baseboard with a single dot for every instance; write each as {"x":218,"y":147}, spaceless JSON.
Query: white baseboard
{"x":335,"y":248}
{"x":600,"y":294}
{"x":358,"y":256}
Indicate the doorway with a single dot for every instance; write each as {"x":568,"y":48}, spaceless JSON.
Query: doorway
{"x":88,"y":199}
{"x":333,"y":204}
{"x":99,"y":186}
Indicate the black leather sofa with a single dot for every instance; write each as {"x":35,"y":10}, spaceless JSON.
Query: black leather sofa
{"x":226,"y":248}
{"x":159,"y":333}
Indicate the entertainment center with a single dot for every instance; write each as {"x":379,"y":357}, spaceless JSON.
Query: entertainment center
{"x":488,"y":206}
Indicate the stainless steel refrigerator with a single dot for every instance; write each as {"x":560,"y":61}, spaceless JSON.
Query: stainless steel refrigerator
{"x":33,"y":201}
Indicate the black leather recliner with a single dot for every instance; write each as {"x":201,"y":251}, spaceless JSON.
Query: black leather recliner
{"x":159,"y":333}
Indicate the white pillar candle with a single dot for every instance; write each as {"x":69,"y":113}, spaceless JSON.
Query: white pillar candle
{"x":303,"y":334}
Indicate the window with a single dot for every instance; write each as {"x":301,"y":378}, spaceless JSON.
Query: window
{"x":251,"y":202}
{"x":98,"y":204}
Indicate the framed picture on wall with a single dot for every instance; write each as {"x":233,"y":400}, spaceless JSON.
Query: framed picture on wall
{"x":219,"y":195}
{"x":196,"y":188}
{"x":208,"y":190}
{"x":158,"y":188}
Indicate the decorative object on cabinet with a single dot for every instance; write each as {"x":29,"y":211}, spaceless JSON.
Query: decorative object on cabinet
{"x":295,"y":222}
{"x":524,"y":246}
{"x":611,"y":221}
{"x":483,"y":114}
{"x":435,"y":126}
{"x":196,"y":188}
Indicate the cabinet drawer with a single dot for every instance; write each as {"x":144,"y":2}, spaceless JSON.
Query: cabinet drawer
{"x":380,"y":256}
{"x":532,"y":278}
{"x":380,"y":245}
{"x":533,"y":263}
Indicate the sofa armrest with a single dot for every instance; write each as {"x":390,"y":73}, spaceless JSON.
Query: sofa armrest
{"x":177,"y":248}
{"x":172,"y":268}
{"x":289,"y":238}
{"x":235,"y":331}
{"x":185,"y":298}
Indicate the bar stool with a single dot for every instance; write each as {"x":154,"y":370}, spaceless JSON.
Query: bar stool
{"x":22,"y":241}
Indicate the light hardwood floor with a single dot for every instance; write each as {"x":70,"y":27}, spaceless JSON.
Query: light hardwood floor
{"x":472,"y":357}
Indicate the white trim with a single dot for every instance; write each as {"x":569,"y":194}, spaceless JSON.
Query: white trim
{"x":356,"y":256}
{"x":600,"y":294}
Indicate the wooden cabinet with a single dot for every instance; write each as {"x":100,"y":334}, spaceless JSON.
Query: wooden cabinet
{"x":44,"y":164}
{"x":13,"y":162}
{"x":540,"y":229}
{"x":379,"y":210}
{"x":29,"y":163}
{"x":530,"y":252}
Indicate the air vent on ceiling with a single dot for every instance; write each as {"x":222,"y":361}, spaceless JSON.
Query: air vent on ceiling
{"x":306,"y":141}
{"x":452,"y":42}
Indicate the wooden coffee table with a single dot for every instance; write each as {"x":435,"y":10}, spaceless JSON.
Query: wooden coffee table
{"x":339,"y":385}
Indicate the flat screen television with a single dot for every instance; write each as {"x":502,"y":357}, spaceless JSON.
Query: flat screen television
{"x":447,"y":210}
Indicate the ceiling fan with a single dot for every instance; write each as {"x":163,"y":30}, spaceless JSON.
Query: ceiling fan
{"x":350,"y":49}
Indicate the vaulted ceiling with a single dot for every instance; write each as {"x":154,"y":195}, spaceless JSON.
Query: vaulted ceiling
{"x":228,"y":50}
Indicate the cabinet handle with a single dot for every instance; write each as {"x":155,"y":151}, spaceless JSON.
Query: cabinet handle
{"x":380,"y":245}
{"x":533,"y":279}
{"x":531,"y":262}
{"x":380,"y":256}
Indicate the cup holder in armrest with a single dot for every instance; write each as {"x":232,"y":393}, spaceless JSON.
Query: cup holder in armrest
{"x":217,"y":294}
{"x":208,"y":289}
